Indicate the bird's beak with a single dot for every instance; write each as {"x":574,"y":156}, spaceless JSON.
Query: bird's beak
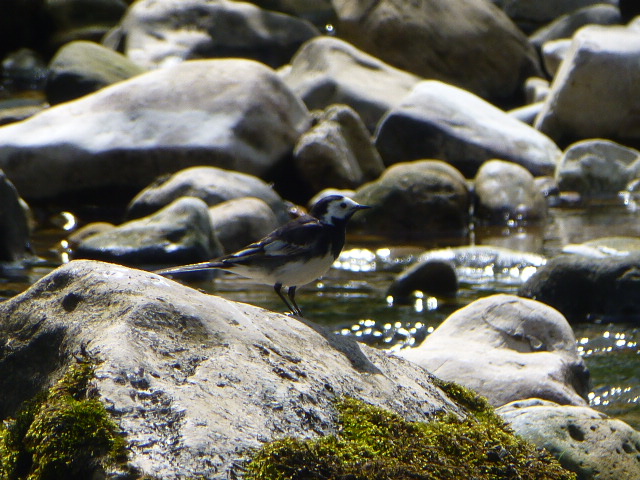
{"x":363,"y":207}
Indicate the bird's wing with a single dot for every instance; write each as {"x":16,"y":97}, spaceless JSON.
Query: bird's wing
{"x":295,"y":238}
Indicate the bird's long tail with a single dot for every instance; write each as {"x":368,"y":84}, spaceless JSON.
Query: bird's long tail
{"x":194,"y":267}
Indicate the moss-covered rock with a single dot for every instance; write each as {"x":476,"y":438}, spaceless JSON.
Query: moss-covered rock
{"x":373,"y":443}
{"x":61,"y":434}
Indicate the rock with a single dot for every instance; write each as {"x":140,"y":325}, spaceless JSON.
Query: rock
{"x":421,"y":199}
{"x":583,"y":440}
{"x":82,"y":19}
{"x":506,"y":348}
{"x":432,"y":277}
{"x":605,"y":247}
{"x":82,"y":67}
{"x":17,"y":109}
{"x":14,"y":223}
{"x":337,"y":152}
{"x":179,"y":233}
{"x":584,"y":288}
{"x":506,"y":192}
{"x":597,"y":168}
{"x":421,"y":126}
{"x":210,"y":184}
{"x":566,"y":25}
{"x":553,"y":54}
{"x":94,"y":228}
{"x":23,"y":69}
{"x":449,"y":40}
{"x":527,"y":113}
{"x":327,"y":71}
{"x":194,"y":380}
{"x":594,"y":94}
{"x":242,"y":221}
{"x":162,"y":32}
{"x":319,"y":12}
{"x":530,"y":15}
{"x":536,"y":89}
{"x":233,"y":113}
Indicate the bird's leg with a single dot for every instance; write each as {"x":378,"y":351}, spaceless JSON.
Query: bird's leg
{"x":292,"y":296}
{"x":278,"y":288}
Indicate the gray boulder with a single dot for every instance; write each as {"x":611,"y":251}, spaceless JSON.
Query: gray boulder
{"x":431,"y":277}
{"x":233,"y":113}
{"x":327,"y":71}
{"x":82,"y":67}
{"x":337,"y":152}
{"x":587,"y":287}
{"x":242,"y":221}
{"x":597,"y":168}
{"x":455,"y":41}
{"x":421,"y":199}
{"x":163,"y":32}
{"x":506,"y":348}
{"x":583,"y":440}
{"x":210,"y":184}
{"x":506,"y":192}
{"x":14,"y":223}
{"x":566,"y":25}
{"x":179,"y":233}
{"x":194,"y":380}
{"x":440,"y":121}
{"x":595,"y":93}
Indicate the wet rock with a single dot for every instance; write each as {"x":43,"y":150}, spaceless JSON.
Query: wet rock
{"x":530,"y":15}
{"x":566,"y":25}
{"x":82,"y":67}
{"x":597,"y":168}
{"x":421,"y":126}
{"x":506,"y":348}
{"x":432,"y":277}
{"x":242,"y":221}
{"x":421,"y":199}
{"x":179,"y":233}
{"x":583,"y":440}
{"x":14,"y":223}
{"x":163,"y":32}
{"x":94,"y":228}
{"x":591,"y":95}
{"x":413,"y":36}
{"x":83,"y":19}
{"x":195,"y":380}
{"x":230,"y":113}
{"x":584,"y":287}
{"x":210,"y":184}
{"x":506,"y":192}
{"x":327,"y":71}
{"x":337,"y":152}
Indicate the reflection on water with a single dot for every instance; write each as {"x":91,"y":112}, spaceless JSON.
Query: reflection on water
{"x":352,"y":299}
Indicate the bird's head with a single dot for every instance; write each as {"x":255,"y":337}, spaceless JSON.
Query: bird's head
{"x":335,"y":209}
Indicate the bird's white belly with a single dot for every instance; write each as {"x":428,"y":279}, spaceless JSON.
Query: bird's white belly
{"x":290,"y":274}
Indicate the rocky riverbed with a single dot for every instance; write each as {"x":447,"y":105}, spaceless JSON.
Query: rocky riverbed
{"x":158,"y":133}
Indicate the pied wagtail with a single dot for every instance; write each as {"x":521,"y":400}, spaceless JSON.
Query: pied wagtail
{"x":295,"y":254}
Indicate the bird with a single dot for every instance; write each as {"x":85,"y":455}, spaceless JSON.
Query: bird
{"x":294,"y":254}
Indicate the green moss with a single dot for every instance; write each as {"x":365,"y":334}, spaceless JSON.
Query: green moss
{"x":62,"y":434}
{"x":375,"y":444}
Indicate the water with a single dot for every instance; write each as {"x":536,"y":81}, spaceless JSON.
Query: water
{"x":352,"y":299}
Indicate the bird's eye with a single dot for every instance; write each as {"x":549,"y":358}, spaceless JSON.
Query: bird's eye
{"x":343,"y":205}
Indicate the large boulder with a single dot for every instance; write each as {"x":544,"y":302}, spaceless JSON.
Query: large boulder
{"x":194,"y":380}
{"x":583,"y":440}
{"x":233,"y":113}
{"x":587,"y":287}
{"x":507,"y":348}
{"x":421,"y":199}
{"x":456,"y":41}
{"x":596,"y":91}
{"x":177,"y":234}
{"x":327,"y":71}
{"x":436,"y":120}
{"x":82,"y":67}
{"x":163,"y":32}
{"x":337,"y":152}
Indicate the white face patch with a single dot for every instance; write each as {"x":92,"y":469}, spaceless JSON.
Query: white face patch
{"x":339,"y":209}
